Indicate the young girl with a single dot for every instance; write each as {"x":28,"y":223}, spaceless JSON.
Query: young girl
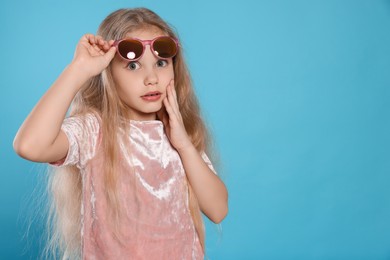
{"x":132,"y":171}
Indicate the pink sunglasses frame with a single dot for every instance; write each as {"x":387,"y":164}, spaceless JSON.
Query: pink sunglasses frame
{"x":144,"y":43}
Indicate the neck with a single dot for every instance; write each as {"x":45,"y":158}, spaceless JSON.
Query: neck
{"x":142,"y":116}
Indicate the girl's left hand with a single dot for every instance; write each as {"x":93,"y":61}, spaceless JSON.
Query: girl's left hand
{"x":173,"y":121}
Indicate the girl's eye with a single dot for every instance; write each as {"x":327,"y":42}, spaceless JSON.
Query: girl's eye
{"x":162,"y":63}
{"x":133,"y":65}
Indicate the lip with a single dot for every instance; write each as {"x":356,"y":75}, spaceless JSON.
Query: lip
{"x":152,"y":96}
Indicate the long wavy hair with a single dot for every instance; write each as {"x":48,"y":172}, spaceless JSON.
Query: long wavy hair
{"x":99,"y":96}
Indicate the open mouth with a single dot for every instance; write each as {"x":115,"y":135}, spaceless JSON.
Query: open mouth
{"x":152,"y":94}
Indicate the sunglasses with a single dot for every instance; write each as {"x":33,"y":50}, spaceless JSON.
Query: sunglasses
{"x":163,"y":47}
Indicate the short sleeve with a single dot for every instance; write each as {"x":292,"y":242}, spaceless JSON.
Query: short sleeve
{"x":83,"y":134}
{"x":208,"y":162}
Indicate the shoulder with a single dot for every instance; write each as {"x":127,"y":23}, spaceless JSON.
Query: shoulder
{"x":85,"y":119}
{"x":83,"y":134}
{"x":82,"y":128}
{"x":82,"y":124}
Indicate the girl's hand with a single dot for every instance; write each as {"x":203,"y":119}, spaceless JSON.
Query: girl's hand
{"x":172,"y":120}
{"x":93,"y":54}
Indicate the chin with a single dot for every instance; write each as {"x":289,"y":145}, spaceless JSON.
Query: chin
{"x":151,"y":111}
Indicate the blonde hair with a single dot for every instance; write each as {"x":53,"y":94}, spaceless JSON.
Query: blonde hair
{"x":99,"y":96}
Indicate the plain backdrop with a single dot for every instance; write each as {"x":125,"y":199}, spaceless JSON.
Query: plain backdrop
{"x":296,"y":94}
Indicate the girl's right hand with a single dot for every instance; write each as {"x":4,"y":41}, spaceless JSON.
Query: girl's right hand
{"x":93,"y":54}
{"x":40,"y":137}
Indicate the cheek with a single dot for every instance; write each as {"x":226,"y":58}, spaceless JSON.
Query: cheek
{"x":166,"y":80}
{"x":126,"y":80}
{"x":168,"y":75}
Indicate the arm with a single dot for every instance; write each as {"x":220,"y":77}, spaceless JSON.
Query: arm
{"x":208,"y":188}
{"x":40,"y":137}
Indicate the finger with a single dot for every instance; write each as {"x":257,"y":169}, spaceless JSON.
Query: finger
{"x":87,"y":40}
{"x":111,"y":43}
{"x":170,"y":101}
{"x":91,"y":38}
{"x":88,"y":36}
{"x":99,"y":38}
{"x":102,"y":43}
{"x":173,"y":88}
{"x":96,"y":48}
{"x":109,"y":55}
{"x":101,"y":46}
{"x":106,"y":46}
{"x":91,"y":48}
{"x":169,"y":109}
{"x":99,"y":41}
{"x":175,"y":95}
{"x":99,"y":50}
{"x":174,"y":116}
{"x":173,"y":100}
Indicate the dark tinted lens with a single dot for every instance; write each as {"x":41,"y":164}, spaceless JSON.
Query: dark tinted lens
{"x":165,"y":47}
{"x":130,"y":49}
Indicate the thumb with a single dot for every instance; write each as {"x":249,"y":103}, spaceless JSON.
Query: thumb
{"x":110,"y":54}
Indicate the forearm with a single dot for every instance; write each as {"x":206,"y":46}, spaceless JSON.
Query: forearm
{"x":42,"y":126}
{"x":209,"y":189}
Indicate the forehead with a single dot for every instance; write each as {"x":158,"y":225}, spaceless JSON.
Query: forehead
{"x":146,"y":33}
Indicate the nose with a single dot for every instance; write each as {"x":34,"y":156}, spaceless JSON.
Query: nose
{"x":151,"y":76}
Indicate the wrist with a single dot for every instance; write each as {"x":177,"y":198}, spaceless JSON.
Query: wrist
{"x":82,"y":68}
{"x":78,"y":72}
{"x":186,"y":149}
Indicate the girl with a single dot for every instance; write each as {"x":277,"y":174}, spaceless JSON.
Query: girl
{"x":132,"y":175}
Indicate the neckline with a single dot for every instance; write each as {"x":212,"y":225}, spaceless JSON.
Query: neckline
{"x":141,"y":122}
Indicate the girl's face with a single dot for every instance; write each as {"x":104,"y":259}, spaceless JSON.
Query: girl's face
{"x":142,"y":84}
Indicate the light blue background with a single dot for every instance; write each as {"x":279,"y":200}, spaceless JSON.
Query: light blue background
{"x":297,"y":96}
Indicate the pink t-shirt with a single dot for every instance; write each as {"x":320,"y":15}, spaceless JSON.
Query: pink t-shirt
{"x":152,"y":189}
